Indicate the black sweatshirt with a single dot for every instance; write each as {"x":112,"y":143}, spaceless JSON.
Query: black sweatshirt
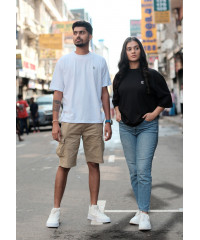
{"x":132,"y":99}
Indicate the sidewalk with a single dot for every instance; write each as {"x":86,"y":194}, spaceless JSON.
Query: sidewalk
{"x":174,"y":119}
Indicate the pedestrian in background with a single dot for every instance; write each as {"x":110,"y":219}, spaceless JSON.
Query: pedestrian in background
{"x":34,"y":115}
{"x":140,"y":95}
{"x":80,"y":79}
{"x":18,"y":129}
{"x":22,"y":114}
{"x":181,"y":100}
{"x":173,"y":111}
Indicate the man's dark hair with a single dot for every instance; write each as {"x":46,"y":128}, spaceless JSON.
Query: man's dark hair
{"x":19,"y":96}
{"x":85,"y":24}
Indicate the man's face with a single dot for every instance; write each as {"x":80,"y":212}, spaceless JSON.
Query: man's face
{"x":81,"y":37}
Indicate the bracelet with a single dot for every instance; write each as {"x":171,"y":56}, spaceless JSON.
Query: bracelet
{"x":55,"y":121}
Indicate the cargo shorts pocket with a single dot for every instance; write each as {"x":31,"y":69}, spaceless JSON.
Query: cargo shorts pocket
{"x":60,"y":148}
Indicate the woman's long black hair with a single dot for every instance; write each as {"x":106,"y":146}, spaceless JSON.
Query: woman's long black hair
{"x":123,"y":64}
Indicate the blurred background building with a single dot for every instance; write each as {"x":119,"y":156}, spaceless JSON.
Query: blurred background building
{"x":162,"y":38}
{"x":170,"y":50}
{"x":33,"y":69}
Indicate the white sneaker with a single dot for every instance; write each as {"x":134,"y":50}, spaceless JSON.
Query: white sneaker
{"x":144,"y":223}
{"x":95,"y":214}
{"x":136,"y":218}
{"x":54,"y":218}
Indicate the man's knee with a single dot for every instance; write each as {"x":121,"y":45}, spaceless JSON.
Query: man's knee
{"x":93,"y":166}
{"x":64,"y":170}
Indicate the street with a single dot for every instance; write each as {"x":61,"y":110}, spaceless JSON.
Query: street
{"x":36,"y":168}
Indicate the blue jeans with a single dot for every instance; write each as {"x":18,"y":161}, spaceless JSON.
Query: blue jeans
{"x":139,"y":144}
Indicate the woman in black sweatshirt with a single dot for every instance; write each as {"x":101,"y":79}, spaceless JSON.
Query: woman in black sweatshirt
{"x":140,"y":95}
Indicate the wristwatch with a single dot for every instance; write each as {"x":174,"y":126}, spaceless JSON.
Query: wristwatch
{"x":110,"y":121}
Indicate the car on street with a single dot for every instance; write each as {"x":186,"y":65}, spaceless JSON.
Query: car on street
{"x":45,"y":106}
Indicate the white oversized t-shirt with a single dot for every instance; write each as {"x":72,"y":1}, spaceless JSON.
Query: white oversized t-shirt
{"x":81,"y":78}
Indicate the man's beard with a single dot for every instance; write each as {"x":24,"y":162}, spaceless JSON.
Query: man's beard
{"x":80,"y":44}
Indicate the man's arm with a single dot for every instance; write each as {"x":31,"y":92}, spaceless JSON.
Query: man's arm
{"x":36,"y":114}
{"x":106,"y":107}
{"x":56,"y":132}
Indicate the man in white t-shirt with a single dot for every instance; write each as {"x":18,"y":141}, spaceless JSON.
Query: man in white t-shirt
{"x":80,"y":80}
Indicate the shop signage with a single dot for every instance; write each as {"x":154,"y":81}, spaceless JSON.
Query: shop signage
{"x":18,"y":61}
{"x":135,"y":28}
{"x":148,"y":27}
{"x":65,"y":28}
{"x":50,"y":53}
{"x":51,"y":41}
{"x":28,"y":65}
{"x":31,"y":84}
{"x":27,"y":69}
{"x":161,"y":11}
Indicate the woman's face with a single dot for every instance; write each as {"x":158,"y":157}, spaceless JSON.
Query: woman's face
{"x":133,"y":51}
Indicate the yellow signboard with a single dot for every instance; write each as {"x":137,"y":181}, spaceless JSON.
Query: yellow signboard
{"x":161,"y":11}
{"x":50,"y":53}
{"x":51,"y":41}
{"x":148,"y":27}
{"x":162,"y":17}
{"x":65,"y":28}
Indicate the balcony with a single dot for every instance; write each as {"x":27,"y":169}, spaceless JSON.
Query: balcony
{"x":52,"y":9}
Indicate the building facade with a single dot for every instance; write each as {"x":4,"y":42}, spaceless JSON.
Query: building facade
{"x":170,"y":51}
{"x":35,"y":17}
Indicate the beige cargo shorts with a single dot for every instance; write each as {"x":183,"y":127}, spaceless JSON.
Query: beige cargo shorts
{"x":93,"y":143}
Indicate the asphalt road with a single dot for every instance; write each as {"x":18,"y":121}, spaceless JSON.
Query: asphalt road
{"x":36,"y":169}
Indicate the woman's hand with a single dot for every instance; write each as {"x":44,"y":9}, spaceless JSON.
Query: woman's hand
{"x":149,"y":116}
{"x":118,"y":114}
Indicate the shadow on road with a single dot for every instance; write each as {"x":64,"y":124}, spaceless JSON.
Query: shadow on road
{"x":118,"y":231}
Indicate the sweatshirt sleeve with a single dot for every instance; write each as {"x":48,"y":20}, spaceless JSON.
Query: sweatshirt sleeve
{"x":161,"y":90}
{"x":115,"y":99}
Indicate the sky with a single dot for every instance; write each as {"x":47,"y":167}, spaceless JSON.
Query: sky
{"x":111,"y":22}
